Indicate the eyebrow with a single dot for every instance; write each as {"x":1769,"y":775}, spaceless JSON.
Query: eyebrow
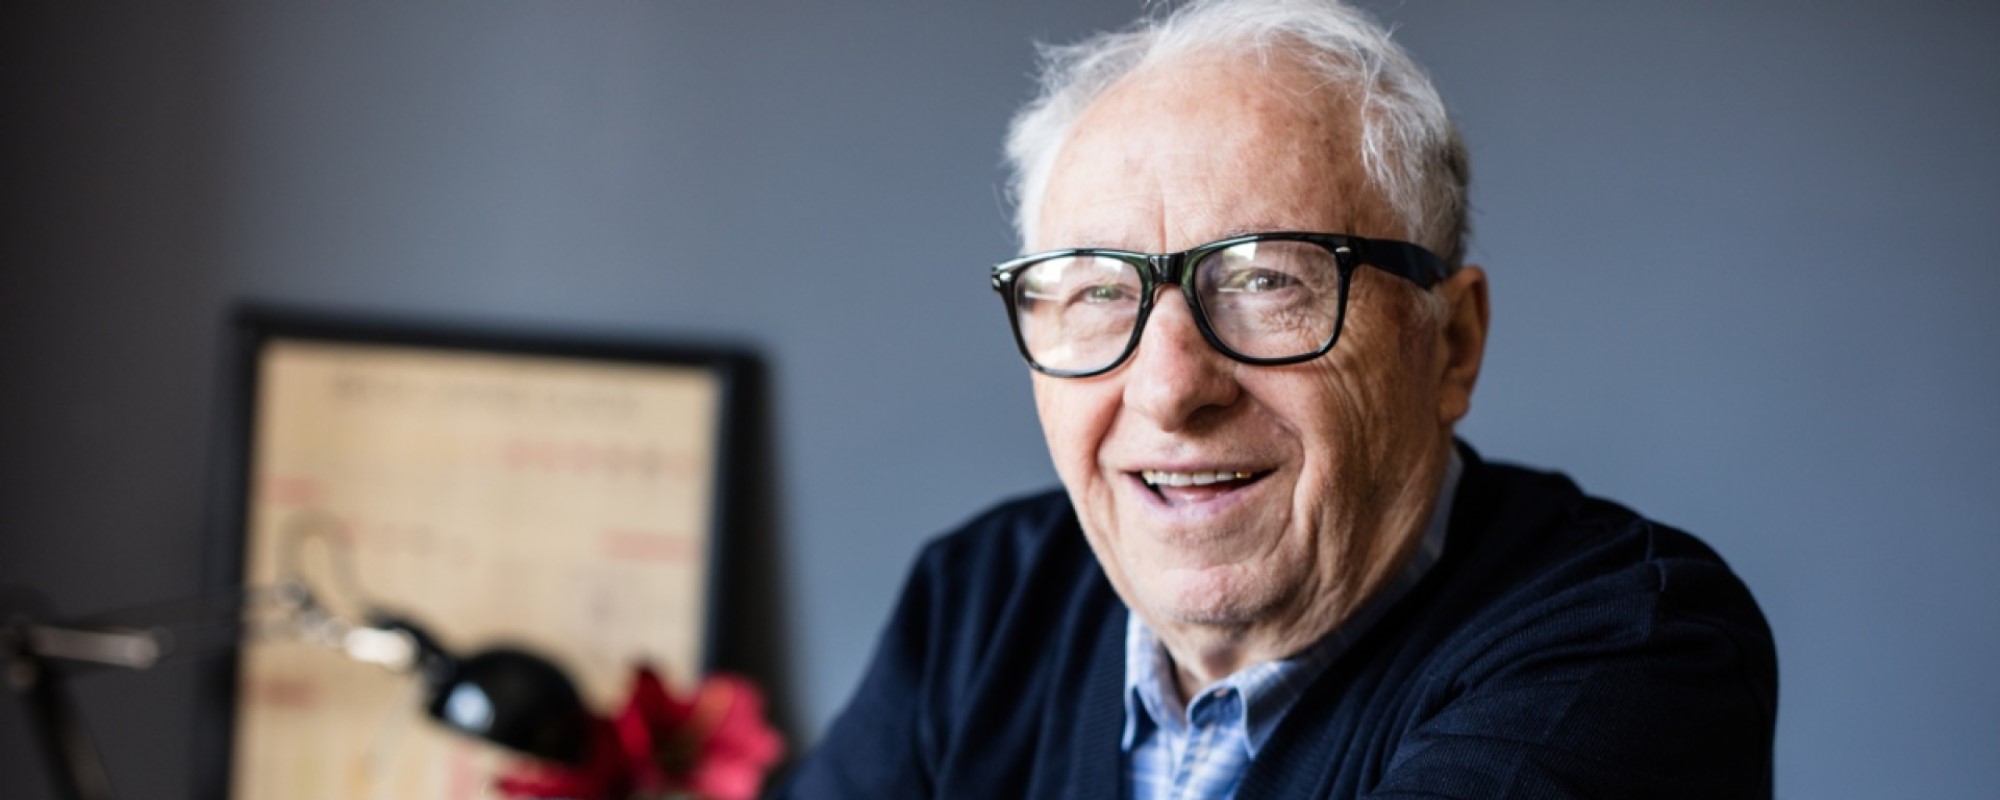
{"x":1245,"y":230}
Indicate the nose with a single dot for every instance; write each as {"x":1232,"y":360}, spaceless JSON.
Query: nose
{"x":1175,"y":374}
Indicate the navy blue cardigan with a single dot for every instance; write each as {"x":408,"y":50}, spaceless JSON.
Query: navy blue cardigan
{"x":1562,"y":647}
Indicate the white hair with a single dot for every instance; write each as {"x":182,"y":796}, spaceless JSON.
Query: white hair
{"x":1408,"y":145}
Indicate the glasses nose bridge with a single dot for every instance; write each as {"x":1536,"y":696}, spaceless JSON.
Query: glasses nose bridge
{"x":1168,"y":269}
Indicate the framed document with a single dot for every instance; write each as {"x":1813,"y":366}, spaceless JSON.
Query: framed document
{"x":564,"y":495}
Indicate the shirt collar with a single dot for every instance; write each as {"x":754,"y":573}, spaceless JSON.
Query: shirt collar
{"x":1269,"y":689}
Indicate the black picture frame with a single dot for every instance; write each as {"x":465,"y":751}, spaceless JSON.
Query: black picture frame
{"x":251,"y":327}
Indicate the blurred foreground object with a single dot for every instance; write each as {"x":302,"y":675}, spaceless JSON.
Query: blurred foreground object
{"x":714,"y":745}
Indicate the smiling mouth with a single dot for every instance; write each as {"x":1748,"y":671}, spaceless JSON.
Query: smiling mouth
{"x":1176,"y":488}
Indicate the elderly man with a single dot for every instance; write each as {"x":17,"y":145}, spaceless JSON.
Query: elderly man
{"x":1272,"y":571}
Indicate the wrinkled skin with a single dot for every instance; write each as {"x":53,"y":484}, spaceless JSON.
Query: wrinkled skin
{"x":1348,"y":450}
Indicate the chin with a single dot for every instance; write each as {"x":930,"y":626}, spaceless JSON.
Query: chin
{"x":1228,"y":596}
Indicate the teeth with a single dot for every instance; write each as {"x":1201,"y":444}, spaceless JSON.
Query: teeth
{"x":1155,"y":477}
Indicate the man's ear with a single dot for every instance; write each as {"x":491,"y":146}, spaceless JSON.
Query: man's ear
{"x":1463,"y":340}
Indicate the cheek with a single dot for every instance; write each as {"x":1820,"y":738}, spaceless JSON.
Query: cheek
{"x":1394,"y":346}
{"x":1342,"y":421}
{"x":1075,"y":415}
{"x":1366,"y":395}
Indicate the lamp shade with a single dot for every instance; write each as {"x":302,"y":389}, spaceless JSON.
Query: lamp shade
{"x":504,"y":695}
{"x":515,"y":699}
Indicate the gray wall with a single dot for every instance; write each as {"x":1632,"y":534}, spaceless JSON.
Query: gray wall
{"x":1738,"y":256}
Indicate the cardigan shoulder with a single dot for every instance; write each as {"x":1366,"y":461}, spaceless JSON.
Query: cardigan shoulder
{"x":1564,"y":646}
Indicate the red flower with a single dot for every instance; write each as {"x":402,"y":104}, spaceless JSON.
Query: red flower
{"x":714,"y":745}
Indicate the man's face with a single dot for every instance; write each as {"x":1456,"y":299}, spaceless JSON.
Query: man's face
{"x":1343,"y":452}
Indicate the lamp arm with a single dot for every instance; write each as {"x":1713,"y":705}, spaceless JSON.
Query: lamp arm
{"x":37,"y":658}
{"x":117,"y":647}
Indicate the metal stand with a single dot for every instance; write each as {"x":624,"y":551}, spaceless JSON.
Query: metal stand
{"x":30,"y":654}
{"x":74,"y":768}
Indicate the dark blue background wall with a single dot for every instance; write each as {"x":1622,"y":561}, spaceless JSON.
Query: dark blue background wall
{"x":1740,"y":258}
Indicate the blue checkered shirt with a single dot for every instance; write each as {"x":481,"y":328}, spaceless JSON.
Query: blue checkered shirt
{"x":1203,"y":751}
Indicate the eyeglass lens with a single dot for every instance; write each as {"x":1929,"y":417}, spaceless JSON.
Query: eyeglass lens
{"x":1262,"y":299}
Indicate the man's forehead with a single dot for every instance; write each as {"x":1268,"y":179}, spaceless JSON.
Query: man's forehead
{"x":1170,"y":200}
{"x":1188,"y":152}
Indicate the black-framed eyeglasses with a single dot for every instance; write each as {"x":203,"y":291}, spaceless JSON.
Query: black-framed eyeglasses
{"x":1263,"y":298}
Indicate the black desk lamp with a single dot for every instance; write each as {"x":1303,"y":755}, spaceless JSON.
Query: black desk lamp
{"x":503,"y":695}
